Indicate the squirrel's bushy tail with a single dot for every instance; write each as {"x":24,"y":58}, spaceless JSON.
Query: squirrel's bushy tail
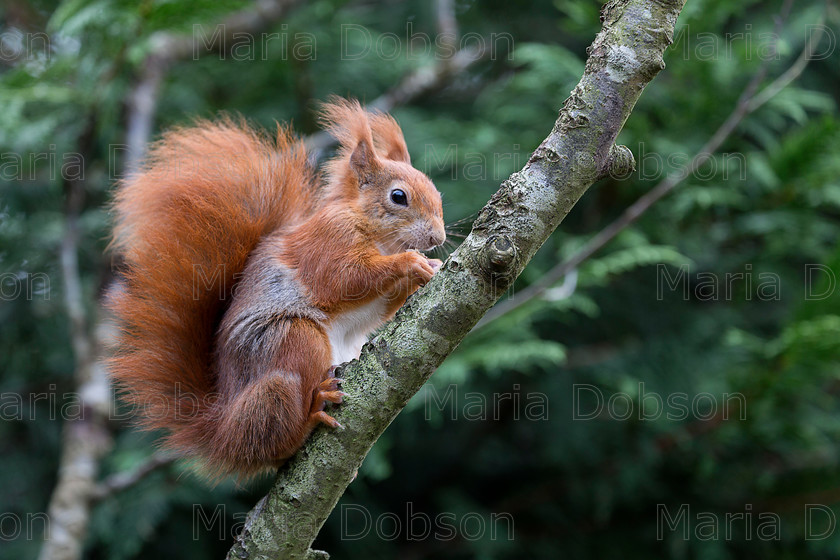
{"x":185,"y":225}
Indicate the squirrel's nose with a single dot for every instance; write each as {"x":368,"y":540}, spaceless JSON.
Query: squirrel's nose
{"x":436,"y":239}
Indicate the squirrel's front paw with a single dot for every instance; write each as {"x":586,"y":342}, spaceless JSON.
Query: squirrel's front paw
{"x":420,"y":268}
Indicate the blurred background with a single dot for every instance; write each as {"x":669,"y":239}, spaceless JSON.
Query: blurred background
{"x":675,"y":396}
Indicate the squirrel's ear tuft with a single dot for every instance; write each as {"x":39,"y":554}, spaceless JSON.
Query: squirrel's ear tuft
{"x":389,"y":137}
{"x":346,"y":121}
{"x":363,"y":159}
{"x":349,"y":123}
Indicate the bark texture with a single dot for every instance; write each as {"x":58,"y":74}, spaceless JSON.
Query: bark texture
{"x":623,"y":59}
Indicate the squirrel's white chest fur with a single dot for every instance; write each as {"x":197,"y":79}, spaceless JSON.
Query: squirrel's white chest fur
{"x":348,"y":331}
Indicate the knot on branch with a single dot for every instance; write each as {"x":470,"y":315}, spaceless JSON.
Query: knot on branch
{"x":620,"y":163}
{"x":499,"y":254}
{"x":498,"y":260}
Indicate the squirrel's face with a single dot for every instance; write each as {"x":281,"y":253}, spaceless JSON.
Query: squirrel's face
{"x":402,"y":205}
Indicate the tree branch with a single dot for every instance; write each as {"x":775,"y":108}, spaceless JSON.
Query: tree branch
{"x":85,"y":440}
{"x":120,"y":481}
{"x":749,"y":101}
{"x":623,"y":59}
{"x":413,"y":85}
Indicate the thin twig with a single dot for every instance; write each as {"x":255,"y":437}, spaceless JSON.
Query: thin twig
{"x":791,"y":73}
{"x":123,"y":480}
{"x":413,"y":85}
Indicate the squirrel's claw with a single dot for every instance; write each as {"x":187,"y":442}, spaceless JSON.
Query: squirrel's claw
{"x":335,"y":397}
{"x":325,"y":418}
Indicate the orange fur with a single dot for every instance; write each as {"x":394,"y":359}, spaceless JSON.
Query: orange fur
{"x":240,"y":266}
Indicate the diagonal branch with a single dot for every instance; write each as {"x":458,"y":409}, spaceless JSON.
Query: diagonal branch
{"x":625,"y":56}
{"x":749,"y":101}
{"x":120,"y":481}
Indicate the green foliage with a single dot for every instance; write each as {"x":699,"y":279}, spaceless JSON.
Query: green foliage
{"x":735,"y":329}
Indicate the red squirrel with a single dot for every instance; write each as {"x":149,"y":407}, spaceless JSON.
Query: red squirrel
{"x":248,"y":278}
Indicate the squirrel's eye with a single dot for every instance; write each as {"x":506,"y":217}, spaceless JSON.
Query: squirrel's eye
{"x":398,"y":197}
